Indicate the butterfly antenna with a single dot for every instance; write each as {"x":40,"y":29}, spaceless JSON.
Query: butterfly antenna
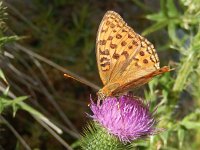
{"x":82,"y":80}
{"x":68,"y":76}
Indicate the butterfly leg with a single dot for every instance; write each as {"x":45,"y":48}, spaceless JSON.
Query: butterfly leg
{"x":99,"y":102}
{"x":118,"y":104}
{"x":101,"y":97}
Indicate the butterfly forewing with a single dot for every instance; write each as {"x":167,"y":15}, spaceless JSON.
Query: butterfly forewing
{"x":115,"y":46}
{"x":106,"y":44}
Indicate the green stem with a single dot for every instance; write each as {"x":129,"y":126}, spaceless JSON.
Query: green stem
{"x":184,"y":72}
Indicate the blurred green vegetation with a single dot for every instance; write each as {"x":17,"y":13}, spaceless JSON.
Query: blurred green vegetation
{"x":41,"y":40}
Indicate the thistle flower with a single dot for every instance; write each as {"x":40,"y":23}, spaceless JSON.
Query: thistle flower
{"x":126,"y":117}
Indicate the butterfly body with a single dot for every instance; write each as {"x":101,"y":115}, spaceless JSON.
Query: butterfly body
{"x":125,"y":59}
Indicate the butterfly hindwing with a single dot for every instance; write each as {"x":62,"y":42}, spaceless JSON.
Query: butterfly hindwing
{"x":144,"y":62}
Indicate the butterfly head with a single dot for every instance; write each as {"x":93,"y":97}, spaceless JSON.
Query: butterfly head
{"x":101,"y":95}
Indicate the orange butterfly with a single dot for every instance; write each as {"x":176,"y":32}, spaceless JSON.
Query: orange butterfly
{"x":125,"y":59}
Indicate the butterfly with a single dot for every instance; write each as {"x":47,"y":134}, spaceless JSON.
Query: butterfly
{"x":125,"y":59}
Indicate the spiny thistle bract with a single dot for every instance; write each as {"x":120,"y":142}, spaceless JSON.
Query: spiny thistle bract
{"x":118,"y":121}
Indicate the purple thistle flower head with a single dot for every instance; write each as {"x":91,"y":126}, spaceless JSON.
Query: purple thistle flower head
{"x":126,"y":117}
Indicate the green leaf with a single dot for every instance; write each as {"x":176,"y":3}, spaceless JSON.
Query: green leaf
{"x":142,"y":5}
{"x":164,"y":136}
{"x":16,"y":102}
{"x":185,"y":70}
{"x":1,"y":106}
{"x":139,"y":143}
{"x":6,"y":91}
{"x":163,"y":8}
{"x":190,"y":124}
{"x":156,"y":17}
{"x":19,"y":99}
{"x":4,"y":102}
{"x":172,"y":32}
{"x":172,"y":11}
{"x":181,"y":135}
{"x":155,"y":27}
{"x":2,"y":76}
{"x":7,"y":39}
